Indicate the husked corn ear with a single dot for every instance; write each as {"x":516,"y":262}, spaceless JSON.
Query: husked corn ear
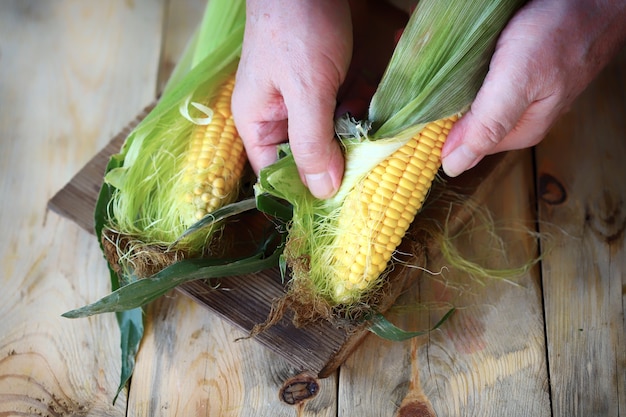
{"x":376,"y":215}
{"x":216,"y":158}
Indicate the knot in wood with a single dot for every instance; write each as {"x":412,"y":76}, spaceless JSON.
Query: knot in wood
{"x":416,"y":409}
{"x":298,"y":389}
{"x":551,"y":190}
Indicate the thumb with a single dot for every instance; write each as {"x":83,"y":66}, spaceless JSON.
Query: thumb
{"x":312,"y":140}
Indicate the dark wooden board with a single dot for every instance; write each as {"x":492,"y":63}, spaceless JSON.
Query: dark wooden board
{"x":245,"y":301}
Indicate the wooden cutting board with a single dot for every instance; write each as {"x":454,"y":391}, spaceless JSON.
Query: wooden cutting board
{"x":245,"y":301}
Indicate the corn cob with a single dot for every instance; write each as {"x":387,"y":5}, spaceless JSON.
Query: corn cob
{"x":376,"y":214}
{"x":215,"y":159}
{"x":177,"y":179}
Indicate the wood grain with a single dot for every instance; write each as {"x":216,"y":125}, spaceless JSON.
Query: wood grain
{"x":582,"y":210}
{"x":195,"y":363}
{"x":60,"y":71}
{"x":481,"y":359}
{"x":84,"y":187}
{"x":73,"y":74}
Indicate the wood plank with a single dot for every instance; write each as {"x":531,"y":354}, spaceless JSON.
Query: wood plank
{"x":582,"y":210}
{"x":488,"y":358}
{"x":194,"y":363}
{"x":77,"y":199}
{"x":61,"y":70}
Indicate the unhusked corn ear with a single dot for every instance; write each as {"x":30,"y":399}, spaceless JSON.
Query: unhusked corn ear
{"x":216,"y":157}
{"x":376,"y":215}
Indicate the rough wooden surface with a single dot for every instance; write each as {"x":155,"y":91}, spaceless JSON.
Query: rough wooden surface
{"x":63,"y":68}
{"x":582,"y":209}
{"x":550,"y":343}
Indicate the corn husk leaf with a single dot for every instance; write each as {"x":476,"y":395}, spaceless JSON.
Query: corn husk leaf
{"x":439,"y":63}
{"x":140,"y":292}
{"x":382,"y":327}
{"x":223,"y":213}
{"x":130,"y":322}
{"x":219,"y":20}
{"x":274,"y":207}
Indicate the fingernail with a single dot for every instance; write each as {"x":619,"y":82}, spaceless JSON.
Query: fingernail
{"x":458,"y":161}
{"x":320,"y":185}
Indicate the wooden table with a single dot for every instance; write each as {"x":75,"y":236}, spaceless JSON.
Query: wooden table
{"x":547,"y":343}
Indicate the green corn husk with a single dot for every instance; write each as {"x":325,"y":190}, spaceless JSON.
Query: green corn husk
{"x":144,"y":179}
{"x":436,"y":70}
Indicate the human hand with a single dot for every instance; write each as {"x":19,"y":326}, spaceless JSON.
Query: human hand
{"x":545,"y":57}
{"x":295,"y":57}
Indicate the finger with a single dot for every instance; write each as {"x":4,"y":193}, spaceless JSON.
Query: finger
{"x":315,"y":149}
{"x":496,"y":110}
{"x":532,"y":127}
{"x":261,"y":119}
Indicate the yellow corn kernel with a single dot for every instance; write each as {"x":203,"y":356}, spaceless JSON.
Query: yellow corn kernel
{"x":216,"y":157}
{"x":392,"y":195}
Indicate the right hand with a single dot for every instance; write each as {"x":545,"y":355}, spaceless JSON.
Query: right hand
{"x":545,"y":57}
{"x":295,"y":57}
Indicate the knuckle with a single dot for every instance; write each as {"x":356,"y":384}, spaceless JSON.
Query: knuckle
{"x":492,"y":130}
{"x":311,"y":155}
{"x":306,"y":151}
